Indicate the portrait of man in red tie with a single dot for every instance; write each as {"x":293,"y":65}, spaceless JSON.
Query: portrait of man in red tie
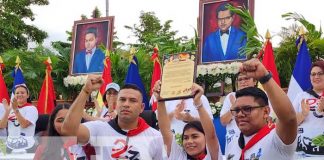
{"x":220,"y":31}
{"x":88,"y":57}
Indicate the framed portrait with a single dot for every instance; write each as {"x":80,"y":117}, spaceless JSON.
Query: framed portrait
{"x":219,"y":30}
{"x":87,"y":36}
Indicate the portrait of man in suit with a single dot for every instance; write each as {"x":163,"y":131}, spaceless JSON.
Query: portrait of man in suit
{"x":91,"y":58}
{"x":88,"y":35}
{"x":226,"y":40}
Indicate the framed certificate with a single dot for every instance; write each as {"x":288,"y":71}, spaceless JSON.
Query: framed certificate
{"x":178,"y":76}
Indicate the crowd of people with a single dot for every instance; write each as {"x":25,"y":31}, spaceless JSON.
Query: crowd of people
{"x":186,"y":129}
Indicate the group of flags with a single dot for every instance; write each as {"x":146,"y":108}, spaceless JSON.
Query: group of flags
{"x":300,"y":79}
{"x":299,"y":82}
{"x":47,"y":97}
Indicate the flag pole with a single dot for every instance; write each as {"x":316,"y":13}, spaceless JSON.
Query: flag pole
{"x":107,"y":8}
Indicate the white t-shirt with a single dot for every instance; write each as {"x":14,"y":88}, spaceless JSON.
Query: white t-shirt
{"x":310,"y":127}
{"x":177,"y":125}
{"x":178,"y":153}
{"x":103,"y":112}
{"x":107,"y":141}
{"x":22,"y":138}
{"x":3,"y":131}
{"x":232,"y":131}
{"x":269,"y":147}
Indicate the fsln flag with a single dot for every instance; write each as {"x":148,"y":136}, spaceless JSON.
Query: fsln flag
{"x":106,"y":76}
{"x":133,"y":77}
{"x":3,"y":87}
{"x":300,"y":80}
{"x":269,"y":61}
{"x":17,"y":75}
{"x":47,"y":97}
{"x":156,"y":75}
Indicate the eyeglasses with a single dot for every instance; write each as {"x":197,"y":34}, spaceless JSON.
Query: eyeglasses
{"x":246,"y":110}
{"x":224,"y":18}
{"x":318,"y":73}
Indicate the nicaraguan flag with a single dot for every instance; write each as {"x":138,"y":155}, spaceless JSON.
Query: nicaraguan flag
{"x":133,"y":77}
{"x":300,"y":80}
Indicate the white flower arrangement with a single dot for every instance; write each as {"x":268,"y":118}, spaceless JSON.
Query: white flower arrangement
{"x":75,"y":80}
{"x":219,"y":68}
{"x":216,"y":108}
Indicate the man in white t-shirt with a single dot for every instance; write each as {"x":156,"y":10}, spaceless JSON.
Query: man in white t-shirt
{"x":259,"y":139}
{"x":226,"y":117}
{"x":126,"y":137}
{"x":182,"y":111}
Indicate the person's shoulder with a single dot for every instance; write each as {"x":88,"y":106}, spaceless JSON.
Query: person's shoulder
{"x":153,"y":132}
{"x":213,"y":34}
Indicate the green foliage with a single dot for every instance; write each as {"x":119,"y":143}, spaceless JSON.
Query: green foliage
{"x":254,"y":39}
{"x":319,"y":140}
{"x":32,"y":66}
{"x":15,"y":33}
{"x":96,"y":13}
{"x":287,"y":51}
{"x":150,"y":32}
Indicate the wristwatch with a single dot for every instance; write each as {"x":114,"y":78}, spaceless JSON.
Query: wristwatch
{"x":265,"y":78}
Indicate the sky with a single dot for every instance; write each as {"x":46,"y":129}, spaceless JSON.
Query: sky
{"x":59,"y":15}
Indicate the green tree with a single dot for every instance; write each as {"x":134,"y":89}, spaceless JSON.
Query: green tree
{"x":150,"y":32}
{"x":15,"y":33}
{"x":286,"y":53}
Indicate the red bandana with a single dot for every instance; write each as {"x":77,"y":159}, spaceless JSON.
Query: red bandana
{"x":200,"y":156}
{"x":26,"y":104}
{"x":256,"y":138}
{"x":141,"y":126}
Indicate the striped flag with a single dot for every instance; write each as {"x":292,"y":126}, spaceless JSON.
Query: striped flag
{"x":156,"y":75}
{"x":17,"y":75}
{"x":3,"y":87}
{"x":47,"y":97}
{"x":133,"y":77}
{"x":300,"y":80}
{"x":106,"y":76}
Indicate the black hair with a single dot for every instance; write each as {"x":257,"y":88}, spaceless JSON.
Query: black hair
{"x":104,"y":99}
{"x":27,"y":90}
{"x":92,"y":30}
{"x":222,"y":7}
{"x":54,"y":143}
{"x":132,"y":86}
{"x":259,"y":95}
{"x":195,"y":125}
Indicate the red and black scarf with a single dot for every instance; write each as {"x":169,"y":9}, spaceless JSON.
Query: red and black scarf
{"x":141,"y":126}
{"x":255,"y":139}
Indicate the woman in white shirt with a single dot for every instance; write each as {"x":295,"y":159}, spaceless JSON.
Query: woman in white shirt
{"x":21,"y":121}
{"x":199,"y":140}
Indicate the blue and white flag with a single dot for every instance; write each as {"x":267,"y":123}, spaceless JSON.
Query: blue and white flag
{"x":133,"y":77}
{"x":18,"y":79}
{"x":300,"y":79}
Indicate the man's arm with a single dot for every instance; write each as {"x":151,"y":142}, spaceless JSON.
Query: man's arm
{"x":287,"y":122}
{"x":72,"y":123}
